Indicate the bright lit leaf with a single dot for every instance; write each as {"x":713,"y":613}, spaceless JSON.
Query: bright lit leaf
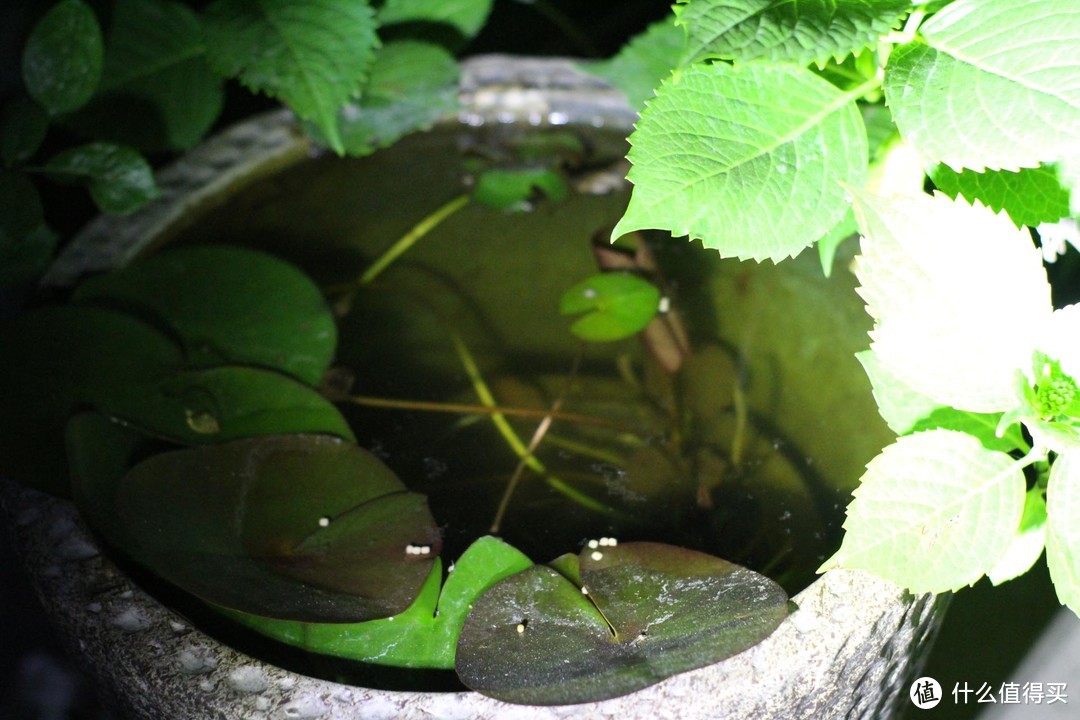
{"x":296,"y":527}
{"x":613,"y":305}
{"x":1028,"y":542}
{"x":642,"y":612}
{"x":990,"y":84}
{"x":935,"y":511}
{"x":644,"y":61}
{"x":747,"y":158}
{"x":120,"y":179}
{"x":779,"y":30}
{"x":63,"y":57}
{"x":465,"y":16}
{"x":1062,"y":530}
{"x":518,"y":189}
{"x":1031,"y":196}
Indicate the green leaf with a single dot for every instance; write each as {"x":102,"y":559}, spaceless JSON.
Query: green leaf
{"x":62,"y":60}
{"x":643,"y":62}
{"x":943,"y":281}
{"x":119,"y":178}
{"x":227,"y":403}
{"x":614,"y":305}
{"x":778,"y":30}
{"x":466,"y":16}
{"x":297,"y":527}
{"x":518,"y":188}
{"x":990,"y":84}
{"x":412,"y":86}
{"x":277,"y":317}
{"x":829,"y":242}
{"x":157,"y":90}
{"x":935,"y":511}
{"x":1030,"y":196}
{"x":642,"y":613}
{"x":1062,"y":530}
{"x":313,"y":55}
{"x":720,"y":148}
{"x":58,"y":358}
{"x":22,"y":129}
{"x":26,"y":242}
{"x":423,"y":636}
{"x":1027,"y":543}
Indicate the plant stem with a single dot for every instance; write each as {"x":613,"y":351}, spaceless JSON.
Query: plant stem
{"x":410,"y":238}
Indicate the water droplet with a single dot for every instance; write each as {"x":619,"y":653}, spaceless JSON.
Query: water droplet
{"x":324,"y":521}
{"x":131,"y":620}
{"x":178,"y":627}
{"x":248,"y":680}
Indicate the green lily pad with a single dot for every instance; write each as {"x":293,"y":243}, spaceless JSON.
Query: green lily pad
{"x":423,"y":636}
{"x":614,"y":306}
{"x":516,"y":189}
{"x":276,"y":316}
{"x":295,"y":527}
{"x":643,"y":612}
{"x":195,"y":407}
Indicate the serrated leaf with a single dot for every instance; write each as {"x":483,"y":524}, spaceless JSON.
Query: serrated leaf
{"x":990,"y":84}
{"x":1062,"y":530}
{"x":423,"y":636}
{"x":120,"y":179}
{"x":1028,"y":542}
{"x":22,"y":129}
{"x":313,"y":55}
{"x":779,"y":30}
{"x":1031,"y":196}
{"x":157,"y":90}
{"x":943,"y":280}
{"x":412,"y":86}
{"x":641,"y":613}
{"x":291,"y":527}
{"x":644,"y":61}
{"x":63,"y":57}
{"x":612,"y":305}
{"x":277,"y":317}
{"x":465,"y":16}
{"x":935,"y":511}
{"x":720,"y":148}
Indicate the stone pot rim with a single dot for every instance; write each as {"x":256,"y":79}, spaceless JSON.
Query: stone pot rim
{"x":854,"y":644}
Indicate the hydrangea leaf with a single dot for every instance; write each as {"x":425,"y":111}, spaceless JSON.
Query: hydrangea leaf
{"x":720,"y":148}
{"x":1028,"y":542}
{"x":63,"y":57}
{"x":157,"y":90}
{"x":1030,"y":196}
{"x":313,"y":55}
{"x":801,"y":32}
{"x":290,"y":526}
{"x":935,"y":511}
{"x":990,"y":84}
{"x":943,"y":280}
{"x":465,"y":16}
{"x":644,"y":61}
{"x":423,"y":636}
{"x":1062,"y":530}
{"x":120,"y":179}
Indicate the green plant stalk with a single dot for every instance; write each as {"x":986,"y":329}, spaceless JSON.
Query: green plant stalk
{"x":410,"y":238}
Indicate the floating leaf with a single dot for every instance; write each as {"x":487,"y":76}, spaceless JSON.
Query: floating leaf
{"x":119,"y":178}
{"x":157,"y":90}
{"x":935,"y":511}
{"x":62,"y":61}
{"x":516,"y":189}
{"x":720,"y":148}
{"x":26,"y":242}
{"x":651,"y":611}
{"x":227,"y":403}
{"x":644,"y":61}
{"x":425,"y":635}
{"x":1030,"y":196}
{"x":778,"y":30}
{"x":56,"y":359}
{"x":944,"y":280}
{"x":312,"y":55}
{"x":412,"y":86}
{"x":1027,"y":543}
{"x":22,"y":129}
{"x":615,"y":305}
{"x":990,"y":84}
{"x":296,"y":527}
{"x":1062,"y":530}
{"x":465,"y":16}
{"x":277,"y":317}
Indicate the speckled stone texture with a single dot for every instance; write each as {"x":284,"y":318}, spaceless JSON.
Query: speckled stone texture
{"x":850,"y":651}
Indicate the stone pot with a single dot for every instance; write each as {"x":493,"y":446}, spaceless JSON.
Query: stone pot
{"x":851,"y":650}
